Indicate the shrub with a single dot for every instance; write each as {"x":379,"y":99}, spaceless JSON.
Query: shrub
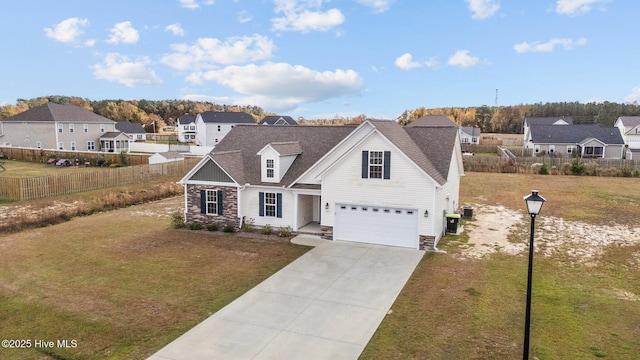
{"x":543,"y":170}
{"x":195,"y":226}
{"x":213,"y":227}
{"x":578,"y":167}
{"x":284,"y":231}
{"x":229,"y":229}
{"x":177,"y":220}
{"x":266,"y":230}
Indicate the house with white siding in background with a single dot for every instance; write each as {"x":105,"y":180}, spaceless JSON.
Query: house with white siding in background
{"x":376,"y":183}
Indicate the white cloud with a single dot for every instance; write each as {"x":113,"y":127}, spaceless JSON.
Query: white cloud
{"x":576,"y":7}
{"x":193,"y":4}
{"x":482,"y":9}
{"x":463,"y":59}
{"x":244,"y":17}
{"x":118,"y":68}
{"x":405,"y":62}
{"x":378,"y":6}
{"x":281,"y":86}
{"x":175,"y":29}
{"x":123,"y":33}
{"x":634,"y":97}
{"x":549,"y":46}
{"x":67,"y":31}
{"x":207,"y":53}
{"x":305,"y":16}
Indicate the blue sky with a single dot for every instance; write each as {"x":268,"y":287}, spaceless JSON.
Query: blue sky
{"x":318,"y":58}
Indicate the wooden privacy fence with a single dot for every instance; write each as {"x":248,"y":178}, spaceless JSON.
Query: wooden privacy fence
{"x":16,"y":189}
{"x":526,"y":165}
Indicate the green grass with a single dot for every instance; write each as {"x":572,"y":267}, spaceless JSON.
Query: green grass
{"x":460,"y":308}
{"x":122,"y":283}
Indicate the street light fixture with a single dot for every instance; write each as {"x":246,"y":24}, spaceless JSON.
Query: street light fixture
{"x":534,"y":204}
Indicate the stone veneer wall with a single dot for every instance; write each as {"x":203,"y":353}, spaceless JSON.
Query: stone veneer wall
{"x":427,"y":243}
{"x":230,"y":206}
{"x":327,"y":232}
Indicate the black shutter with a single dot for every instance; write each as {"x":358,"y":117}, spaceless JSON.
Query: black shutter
{"x":203,"y":201}
{"x":387,"y":164}
{"x":219,"y":202}
{"x":365,"y":164}
{"x":261,"y":201}
{"x":279,"y":205}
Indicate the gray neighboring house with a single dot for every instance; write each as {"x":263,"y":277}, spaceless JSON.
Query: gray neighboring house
{"x":470,"y":135}
{"x":56,"y":127}
{"x":534,"y":121}
{"x":586,"y":141}
{"x":134,"y":131}
{"x":278,"y":120}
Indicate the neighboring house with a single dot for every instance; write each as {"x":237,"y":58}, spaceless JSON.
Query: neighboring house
{"x":587,"y":141}
{"x":56,"y":127}
{"x":533,"y":121}
{"x":115,"y":141}
{"x":630,"y":129}
{"x":278,"y":120}
{"x":376,"y":183}
{"x":213,"y":126}
{"x":187,"y":128}
{"x":469,"y":135}
{"x":165,"y":157}
{"x":134,"y":131}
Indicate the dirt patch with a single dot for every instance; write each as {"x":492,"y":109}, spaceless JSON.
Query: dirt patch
{"x":497,"y":229}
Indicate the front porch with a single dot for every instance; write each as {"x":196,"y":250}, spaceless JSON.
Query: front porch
{"x":307,"y":207}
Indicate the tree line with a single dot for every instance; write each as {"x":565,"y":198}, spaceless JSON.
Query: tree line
{"x":496,"y":119}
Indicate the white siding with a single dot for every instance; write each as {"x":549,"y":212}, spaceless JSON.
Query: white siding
{"x":250,"y":204}
{"x":408,"y":186}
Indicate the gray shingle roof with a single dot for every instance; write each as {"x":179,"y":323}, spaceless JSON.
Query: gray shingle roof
{"x":55,"y":112}
{"x":574,"y":134}
{"x":471,"y":131}
{"x":270,"y":120}
{"x":432,"y":120}
{"x":227,"y":117}
{"x":438,"y":143}
{"x":129,"y":127}
{"x":186,"y":119}
{"x":287,"y":148}
{"x":236,"y":152}
{"x":630,"y":121}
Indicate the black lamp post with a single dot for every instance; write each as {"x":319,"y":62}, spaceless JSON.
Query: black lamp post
{"x":534,"y":204}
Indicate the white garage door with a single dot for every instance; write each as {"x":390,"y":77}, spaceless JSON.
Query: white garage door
{"x":376,"y":225}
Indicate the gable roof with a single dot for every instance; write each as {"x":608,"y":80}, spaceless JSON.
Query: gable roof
{"x":186,"y":119}
{"x":432,"y":120}
{"x":272,"y":120}
{"x":471,"y":131}
{"x":574,"y":134}
{"x":530,"y":121}
{"x":236,"y":152}
{"x":129,"y":127}
{"x":170,"y":155}
{"x":287,"y":148}
{"x":50,"y":112}
{"x":227,"y":117}
{"x":438,"y":142}
{"x":400,"y":138}
{"x":630,"y":121}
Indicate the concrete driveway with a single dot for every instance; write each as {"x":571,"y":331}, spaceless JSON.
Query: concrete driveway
{"x":325,"y":305}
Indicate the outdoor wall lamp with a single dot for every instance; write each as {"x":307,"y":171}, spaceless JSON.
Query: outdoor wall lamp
{"x":426,"y":213}
{"x":534,"y":204}
{"x":326,"y":206}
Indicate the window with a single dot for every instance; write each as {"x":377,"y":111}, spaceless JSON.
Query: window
{"x":186,"y":127}
{"x":375,"y":164}
{"x":59,"y":128}
{"x":73,"y":145}
{"x":85,"y":128}
{"x":139,"y":137}
{"x":552,"y":148}
{"x":91,"y":145}
{"x":537,"y":148}
{"x":192,"y":128}
{"x":71,"y":128}
{"x":38,"y":144}
{"x":570,"y":149}
{"x":60,"y":145}
{"x":270,"y":168}
{"x":101,"y":128}
{"x":270,"y":204}
{"x":212,"y":202}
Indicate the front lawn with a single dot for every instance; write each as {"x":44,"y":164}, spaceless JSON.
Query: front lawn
{"x":122,"y":284}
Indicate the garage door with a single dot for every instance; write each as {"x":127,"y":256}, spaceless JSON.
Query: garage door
{"x":376,"y":225}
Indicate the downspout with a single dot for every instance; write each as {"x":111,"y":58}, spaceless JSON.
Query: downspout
{"x":185,"y":202}
{"x":55,"y":124}
{"x":239,"y":205}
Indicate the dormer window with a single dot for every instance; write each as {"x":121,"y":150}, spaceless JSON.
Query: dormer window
{"x":270,"y":168}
